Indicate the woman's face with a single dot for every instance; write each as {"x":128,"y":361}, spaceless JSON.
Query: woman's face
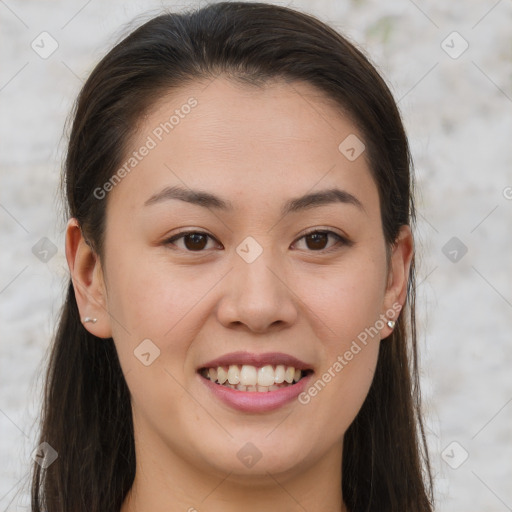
{"x":252,"y":285}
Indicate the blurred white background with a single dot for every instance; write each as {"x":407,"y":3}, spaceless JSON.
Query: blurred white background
{"x":455,"y":94}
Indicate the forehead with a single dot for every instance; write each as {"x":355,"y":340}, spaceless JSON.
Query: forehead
{"x":244,"y":142}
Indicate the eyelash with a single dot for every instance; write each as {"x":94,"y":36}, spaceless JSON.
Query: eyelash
{"x":343,"y":241}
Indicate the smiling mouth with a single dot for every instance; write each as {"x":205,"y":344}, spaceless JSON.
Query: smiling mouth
{"x":254,"y":379}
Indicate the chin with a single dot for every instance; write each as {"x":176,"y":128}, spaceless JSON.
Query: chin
{"x":257,"y":457}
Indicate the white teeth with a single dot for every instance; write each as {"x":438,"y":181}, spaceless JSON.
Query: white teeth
{"x":234,"y":374}
{"x":289,"y":374}
{"x":280,"y":371}
{"x":248,"y":375}
{"x":250,"y":378}
{"x":266,"y":376}
{"x":222,"y":375}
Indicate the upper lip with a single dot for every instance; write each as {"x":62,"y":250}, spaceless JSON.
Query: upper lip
{"x":267,"y":358}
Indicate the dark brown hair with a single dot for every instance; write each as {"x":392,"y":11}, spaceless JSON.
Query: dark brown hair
{"x":86,"y":414}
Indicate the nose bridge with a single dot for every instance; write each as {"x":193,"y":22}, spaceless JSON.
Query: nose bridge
{"x":255,"y":273}
{"x":257,"y":294}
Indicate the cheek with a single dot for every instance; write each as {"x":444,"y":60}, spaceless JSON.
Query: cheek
{"x":343,"y":387}
{"x":146,"y":296}
{"x":347,"y":306}
{"x":151,"y":298}
{"x":347,"y":298}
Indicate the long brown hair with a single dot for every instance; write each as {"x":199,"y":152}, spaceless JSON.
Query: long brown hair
{"x":86,"y":413}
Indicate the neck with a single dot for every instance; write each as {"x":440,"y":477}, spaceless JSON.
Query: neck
{"x":169,"y":483}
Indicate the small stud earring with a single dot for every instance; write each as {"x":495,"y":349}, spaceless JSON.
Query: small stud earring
{"x":89,"y":319}
{"x":391,"y":324}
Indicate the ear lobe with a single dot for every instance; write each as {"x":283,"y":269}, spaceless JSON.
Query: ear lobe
{"x":87,"y":277}
{"x":399,"y":268}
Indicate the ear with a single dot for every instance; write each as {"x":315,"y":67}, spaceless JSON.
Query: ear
{"x":398,"y":277}
{"x":87,"y":277}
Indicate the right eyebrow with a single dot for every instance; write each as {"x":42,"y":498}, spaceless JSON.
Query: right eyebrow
{"x":204,"y":199}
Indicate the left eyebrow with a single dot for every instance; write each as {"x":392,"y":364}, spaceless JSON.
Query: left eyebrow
{"x":322,"y":198}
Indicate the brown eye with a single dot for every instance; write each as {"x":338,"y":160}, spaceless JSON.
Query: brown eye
{"x":193,"y":241}
{"x":318,"y":240}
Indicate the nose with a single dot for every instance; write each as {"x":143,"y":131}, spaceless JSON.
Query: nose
{"x":257,"y":296}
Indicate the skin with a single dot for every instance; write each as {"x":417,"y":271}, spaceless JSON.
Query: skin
{"x":256,"y":147}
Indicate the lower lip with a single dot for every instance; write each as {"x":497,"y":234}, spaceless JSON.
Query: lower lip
{"x":257,"y":401}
